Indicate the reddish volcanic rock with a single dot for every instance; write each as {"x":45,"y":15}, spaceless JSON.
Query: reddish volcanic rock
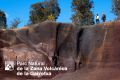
{"x":93,"y":49}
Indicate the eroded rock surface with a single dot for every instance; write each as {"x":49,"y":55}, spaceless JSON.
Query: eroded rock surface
{"x":59,"y":44}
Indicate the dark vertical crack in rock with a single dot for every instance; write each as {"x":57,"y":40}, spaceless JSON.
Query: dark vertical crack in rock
{"x":79,"y":55}
{"x":79,"y":40}
{"x":56,"y":52}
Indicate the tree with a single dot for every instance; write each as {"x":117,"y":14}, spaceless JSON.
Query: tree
{"x":3,"y":20}
{"x":116,"y":7}
{"x":47,"y":10}
{"x":82,"y":12}
{"x":15,"y":23}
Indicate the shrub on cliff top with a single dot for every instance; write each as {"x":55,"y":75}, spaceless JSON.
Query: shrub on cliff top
{"x":82,"y":12}
{"x":3,"y":20}
{"x":42,"y":11}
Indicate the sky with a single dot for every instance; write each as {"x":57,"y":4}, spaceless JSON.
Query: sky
{"x":20,"y":9}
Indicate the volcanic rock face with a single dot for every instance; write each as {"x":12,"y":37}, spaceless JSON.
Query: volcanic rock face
{"x":59,"y":44}
{"x":41,"y":42}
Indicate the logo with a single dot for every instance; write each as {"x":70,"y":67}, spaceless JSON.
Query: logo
{"x":9,"y":65}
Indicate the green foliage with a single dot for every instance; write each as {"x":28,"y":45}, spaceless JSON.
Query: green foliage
{"x":82,"y":12}
{"x":43,"y":10}
{"x":3,"y":21}
{"x":116,"y":7}
{"x":15,"y":23}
